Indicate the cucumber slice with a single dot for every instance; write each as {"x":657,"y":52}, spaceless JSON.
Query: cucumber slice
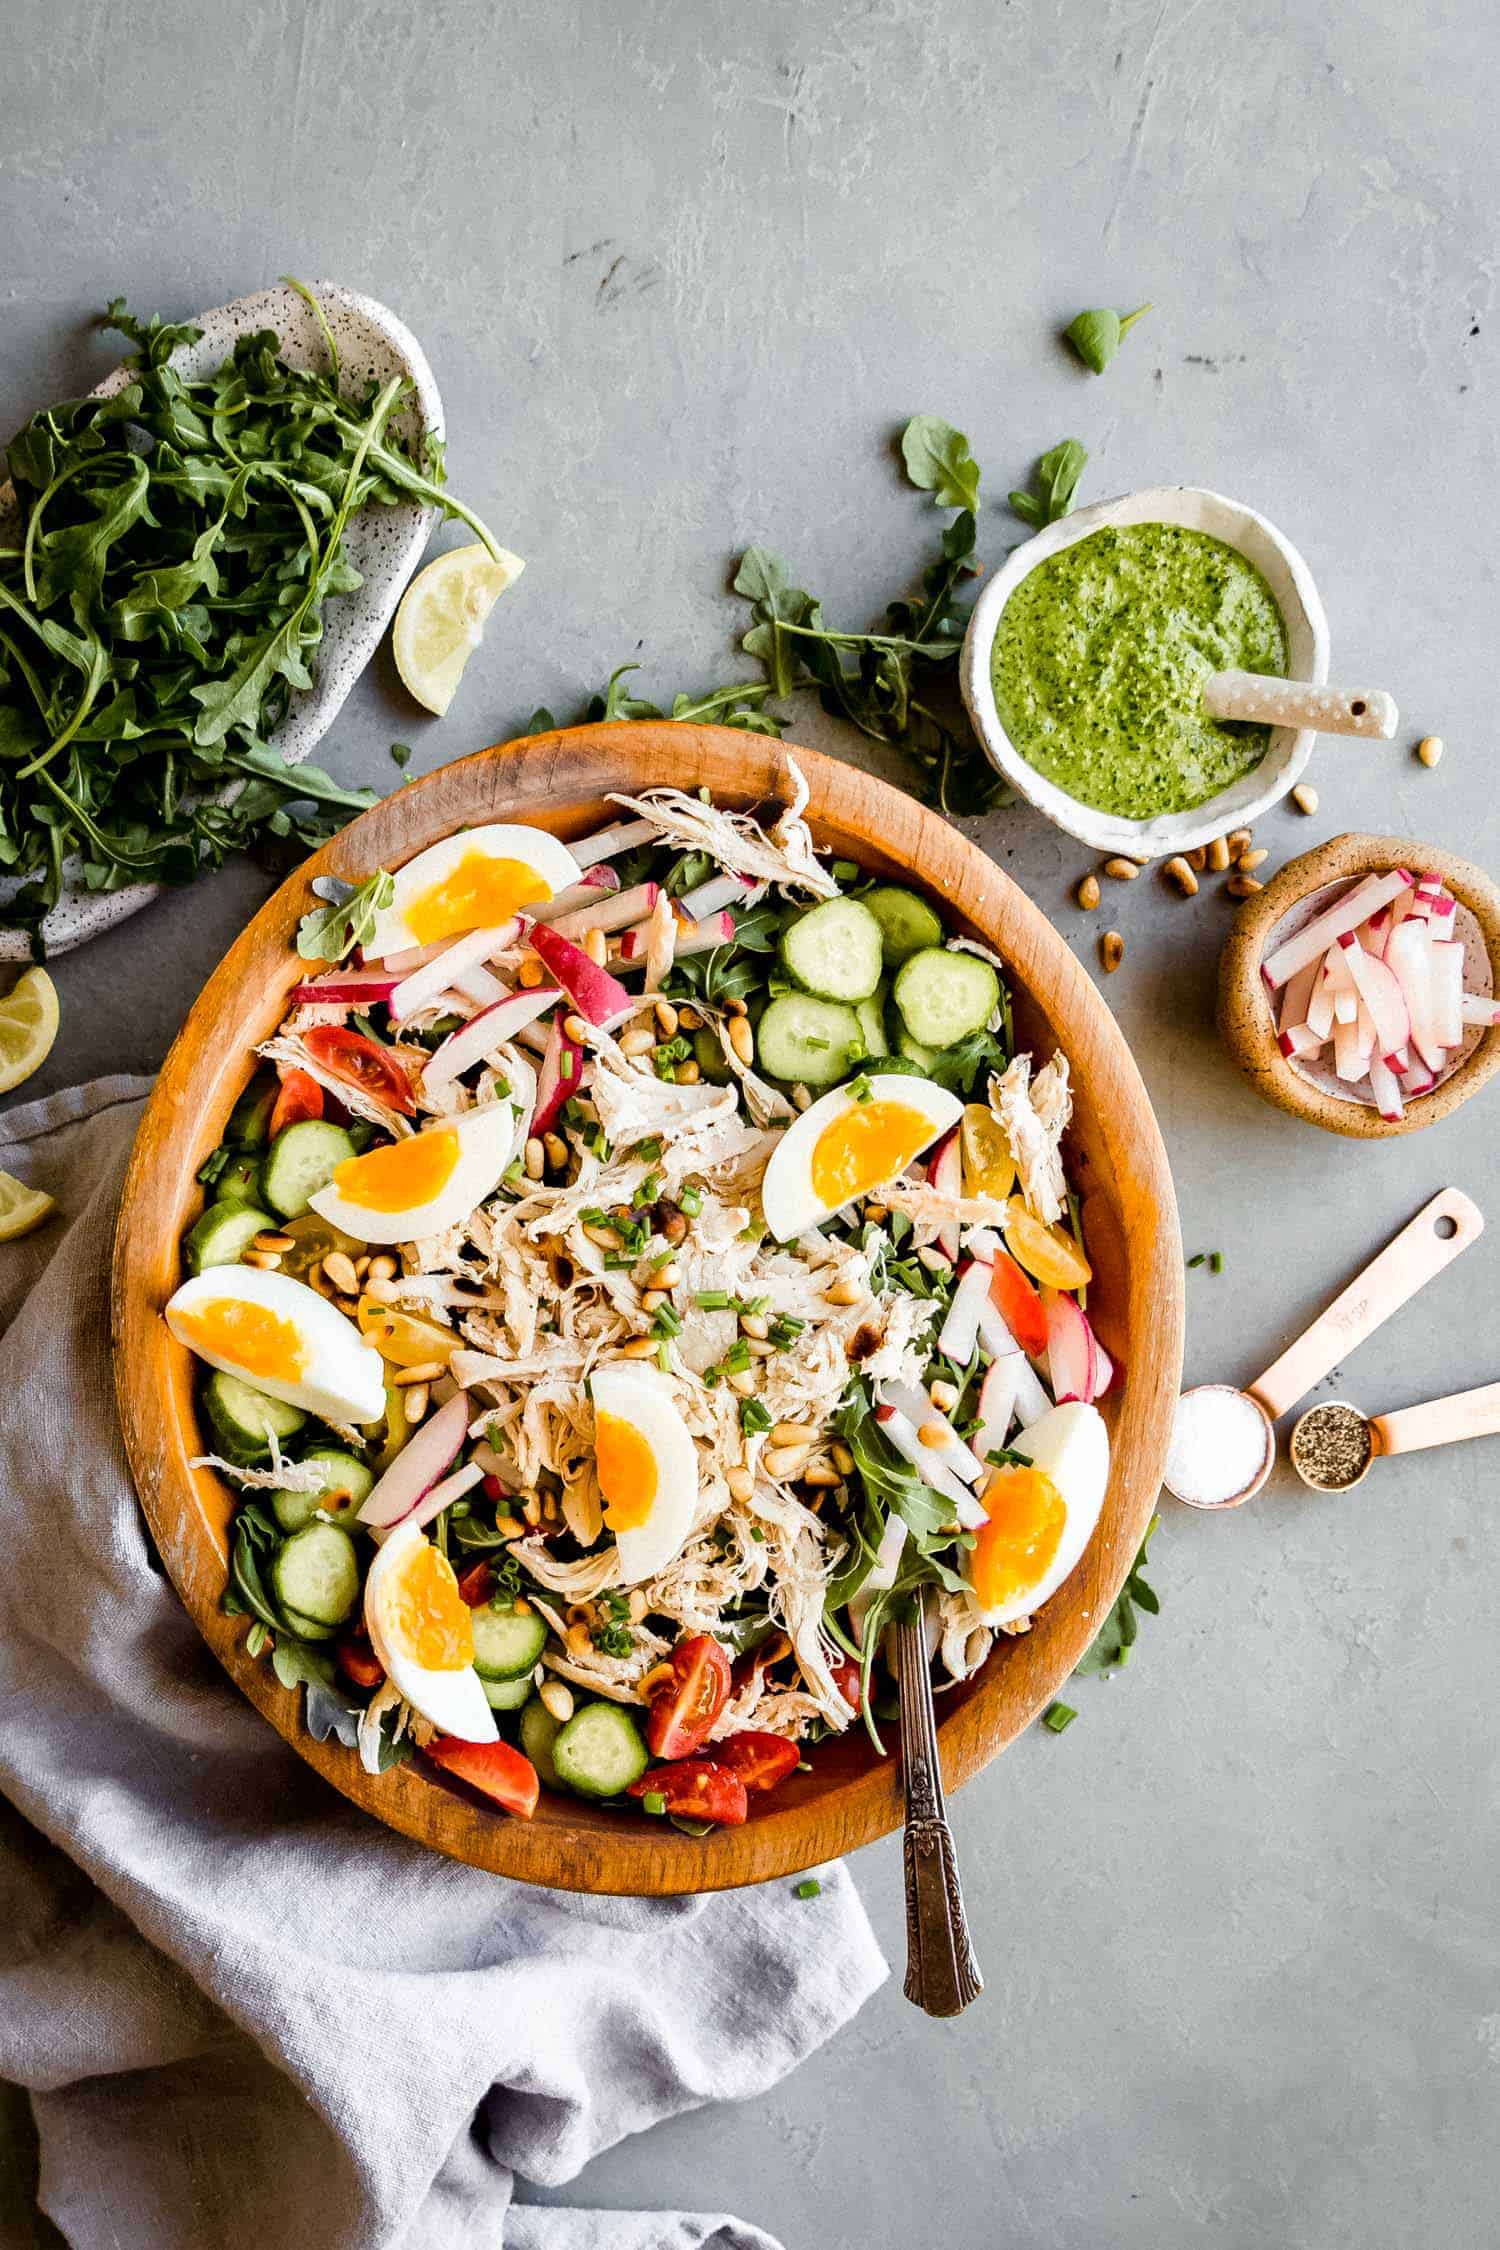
{"x":239,"y":1182}
{"x":316,"y":1574}
{"x":815,"y":1041}
{"x":539,"y":1730}
{"x":834,"y":950}
{"x":506,"y":1646}
{"x":943,"y":996}
{"x":907,"y":923}
{"x":308,"y":1628}
{"x":506,"y":1695}
{"x":709,"y":1056}
{"x":223,"y":1235}
{"x":303,"y":1158}
{"x":599,"y":1752}
{"x":243,"y":1419}
{"x":912,"y":1051}
{"x":250,"y":1119}
{"x":871,"y":1014}
{"x":346,"y":1484}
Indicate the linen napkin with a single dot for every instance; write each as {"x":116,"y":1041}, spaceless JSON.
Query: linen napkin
{"x":245,"y":2011}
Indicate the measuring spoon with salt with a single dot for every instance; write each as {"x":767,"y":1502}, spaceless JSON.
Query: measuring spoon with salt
{"x":1224,"y":1440}
{"x":1333,"y":1444}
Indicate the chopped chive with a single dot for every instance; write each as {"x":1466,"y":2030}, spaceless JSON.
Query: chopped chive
{"x":1200,"y":1260}
{"x":648,"y":1190}
{"x":690,"y":1201}
{"x":844,"y":871}
{"x":664,"y":1357}
{"x":712,"y":1300}
{"x":654,"y":1802}
{"x":649,"y":1152}
{"x":809,"y":1887}
{"x":757,"y":1535}
{"x":737,"y":1358}
{"x":1216,"y":1261}
{"x":754,"y":1418}
{"x":1058,"y":1717}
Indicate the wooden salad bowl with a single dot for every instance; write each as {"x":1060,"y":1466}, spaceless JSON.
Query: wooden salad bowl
{"x":560,"y":781}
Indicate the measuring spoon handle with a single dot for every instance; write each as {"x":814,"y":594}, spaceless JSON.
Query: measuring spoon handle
{"x":1441,"y":1421}
{"x":1408,"y":1261}
{"x":1300,"y":703}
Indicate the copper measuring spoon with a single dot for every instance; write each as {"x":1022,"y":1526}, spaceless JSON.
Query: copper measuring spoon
{"x":1425,"y":1245}
{"x":1412,"y":1429}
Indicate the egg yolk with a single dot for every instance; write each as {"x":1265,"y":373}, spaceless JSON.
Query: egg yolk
{"x":867,"y":1144}
{"x":477,"y":893}
{"x":402,"y":1176}
{"x":1019,"y":1544}
{"x":626,"y":1468}
{"x":253,"y":1337}
{"x":425,"y":1614}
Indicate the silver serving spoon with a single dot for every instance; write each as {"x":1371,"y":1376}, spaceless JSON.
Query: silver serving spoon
{"x":942,"y":1975}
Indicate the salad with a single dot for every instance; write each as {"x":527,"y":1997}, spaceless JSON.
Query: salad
{"x":638,"y":1268}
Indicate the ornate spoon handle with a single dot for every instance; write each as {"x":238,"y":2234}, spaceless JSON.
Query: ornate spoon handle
{"x":942,"y":1975}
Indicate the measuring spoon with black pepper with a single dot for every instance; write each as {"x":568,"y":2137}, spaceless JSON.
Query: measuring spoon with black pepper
{"x":1334,"y":1444}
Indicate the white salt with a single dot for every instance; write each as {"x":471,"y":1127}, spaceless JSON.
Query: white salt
{"x":1220,"y":1444}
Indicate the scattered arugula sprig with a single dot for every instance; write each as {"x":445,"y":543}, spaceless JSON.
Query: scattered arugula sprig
{"x":1112,"y":1644}
{"x":1057,"y":473}
{"x":1097,"y":335}
{"x":330,"y":932}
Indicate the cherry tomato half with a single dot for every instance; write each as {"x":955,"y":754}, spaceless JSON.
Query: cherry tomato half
{"x":476,"y":1584}
{"x":301,"y":1097}
{"x":360,"y":1062}
{"x":760,"y":1760}
{"x":696,"y":1789}
{"x":846,"y":1680}
{"x":494,"y":1768}
{"x":683,"y":1714}
{"x":359,"y":1663}
{"x":1017,"y":1301}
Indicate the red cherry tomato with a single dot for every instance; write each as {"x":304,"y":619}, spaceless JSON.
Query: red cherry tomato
{"x":1017,"y":1301}
{"x":476,"y":1584}
{"x":359,"y":1663}
{"x":301,"y":1097}
{"x":760,"y":1760}
{"x":359,"y":1061}
{"x":696,"y":1789}
{"x":846,"y":1680}
{"x":683,"y":1714}
{"x":493,"y":1489}
{"x":494,"y":1768}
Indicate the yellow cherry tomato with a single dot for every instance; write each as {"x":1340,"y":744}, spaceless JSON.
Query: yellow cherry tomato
{"x":1048,"y":1254}
{"x":403,"y":1339}
{"x":989,"y":1167}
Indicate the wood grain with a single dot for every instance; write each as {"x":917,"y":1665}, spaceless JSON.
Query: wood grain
{"x":561,"y":782}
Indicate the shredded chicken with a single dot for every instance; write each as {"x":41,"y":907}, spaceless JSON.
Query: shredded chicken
{"x":1033,"y":1115}
{"x":783,"y":854}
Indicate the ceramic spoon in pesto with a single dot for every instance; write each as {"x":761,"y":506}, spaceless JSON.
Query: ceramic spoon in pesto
{"x":1300,"y":703}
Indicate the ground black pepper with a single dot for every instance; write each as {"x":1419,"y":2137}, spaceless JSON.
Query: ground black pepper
{"x":1331,"y":1446}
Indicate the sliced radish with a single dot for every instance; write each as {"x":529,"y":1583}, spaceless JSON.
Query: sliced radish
{"x":1382,"y":995}
{"x":1296,"y":995}
{"x":432,"y":1504}
{"x":945,"y":1173}
{"x":414,"y":956}
{"x":1072,"y":1367}
{"x":1418,"y":1080}
{"x":919,"y":1409}
{"x":559,"y":1078}
{"x":930,"y":1467}
{"x":1032,"y":1401}
{"x":595,"y":885}
{"x":1348,"y":1062}
{"x":960,"y":1330}
{"x":692,"y":937}
{"x":482,"y":1034}
{"x":347,"y":988}
{"x":997,"y":1403}
{"x":1479,"y":1007}
{"x":1320,"y":1007}
{"x":608,"y":912}
{"x":1448,"y":991}
{"x":480,"y":985}
{"x":436,"y":974}
{"x":718,"y":892}
{"x":1409,"y":956}
{"x":1299,"y":1041}
{"x":418,"y":1466}
{"x":610,"y":842}
{"x":1385,"y":1089}
{"x":599,"y":998}
{"x":1105,"y":1371}
{"x":1345,"y":915}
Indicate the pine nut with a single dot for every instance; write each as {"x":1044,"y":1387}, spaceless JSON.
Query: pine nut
{"x":362,"y":1265}
{"x":740,"y":1482}
{"x":576,"y":1029}
{"x":638,"y":1606}
{"x":801,"y":1096}
{"x":933,"y":1259}
{"x":536,"y":1158}
{"x":640,"y":1041}
{"x":531,"y":1509}
{"x":842,"y":1458}
{"x":742,"y":1382}
{"x":415,"y":1402}
{"x":1178,"y":871}
{"x":557,"y":1697}
{"x":1197,"y":858}
{"x":651,"y":1683}
{"x":794,"y":1433}
{"x":1243,"y":886}
{"x":652,"y":1300}
{"x":510,"y":1527}
{"x":1111,"y":951}
{"x":758,"y":1349}
{"x":934,"y":1434}
{"x":688,"y":1073}
{"x":666,"y":1019}
{"x":1305,"y":797}
{"x":1430,"y":749}
{"x":267,"y":1260}
{"x":674,"y":1228}
{"x":381,"y":1289}
{"x":1219,"y":855}
{"x":1238,"y":841}
{"x":751,"y":1324}
{"x":736,"y":1008}
{"x":1247,"y":862}
{"x":531,"y":973}
{"x":784,"y":1462}
{"x":1123,"y":870}
{"x":944,"y":1396}
{"x":604,"y":1238}
{"x":596,"y":946}
{"x":846,"y":1293}
{"x":742,"y":1039}
{"x":688,"y":1019}
{"x":274,"y":1242}
{"x":427,"y":1371}
{"x":580,"y":1640}
{"x":520,"y":1608}
{"x":638,"y":1347}
{"x":382,"y":1269}
{"x":1088,"y":893}
{"x":821,"y":1476}
{"x":668,"y":1276}
{"x":555,"y":1149}
{"x":339,"y":1270}
{"x":877,"y":1213}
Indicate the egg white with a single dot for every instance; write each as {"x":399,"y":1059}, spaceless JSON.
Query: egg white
{"x":643,"y":1397}
{"x":553,"y":862}
{"x":486,"y":1144}
{"x":1070,"y":1444}
{"x":345,"y":1377}
{"x":788,"y":1198}
{"x":453,"y":1701}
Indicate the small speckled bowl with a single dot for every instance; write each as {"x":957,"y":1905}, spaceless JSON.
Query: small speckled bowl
{"x":1247,"y":1023}
{"x":1290,"y":581}
{"x":384,"y":544}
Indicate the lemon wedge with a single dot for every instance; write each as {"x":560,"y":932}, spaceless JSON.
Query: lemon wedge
{"x":28,"y":1026}
{"x":21,"y":1207}
{"x":441,"y":619}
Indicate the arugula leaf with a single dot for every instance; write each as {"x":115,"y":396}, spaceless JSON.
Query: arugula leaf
{"x":1115,"y":1638}
{"x":938,"y":460}
{"x":1096,"y":335}
{"x":1057,"y":472}
{"x":328,"y":933}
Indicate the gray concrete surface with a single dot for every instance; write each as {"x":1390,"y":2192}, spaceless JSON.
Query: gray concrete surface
{"x":681,"y":268}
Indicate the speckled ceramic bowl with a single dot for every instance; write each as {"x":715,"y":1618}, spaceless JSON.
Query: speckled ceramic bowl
{"x":1290,"y":748}
{"x":384,"y":544}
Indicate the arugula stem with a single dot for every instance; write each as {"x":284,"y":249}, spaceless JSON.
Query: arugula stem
{"x":95,"y":680}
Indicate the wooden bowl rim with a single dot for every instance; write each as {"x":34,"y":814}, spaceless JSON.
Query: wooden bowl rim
{"x":1244,"y":1019}
{"x":560,"y":779}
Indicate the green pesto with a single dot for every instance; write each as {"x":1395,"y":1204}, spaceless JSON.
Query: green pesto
{"x":1100,"y":658}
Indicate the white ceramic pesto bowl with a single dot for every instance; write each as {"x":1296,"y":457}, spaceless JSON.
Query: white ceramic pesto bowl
{"x":1290,"y":582}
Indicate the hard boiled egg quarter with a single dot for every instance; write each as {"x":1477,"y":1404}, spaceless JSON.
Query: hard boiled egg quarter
{"x":1041,"y":1517}
{"x":421,"y":1629}
{"x":647,"y":1466}
{"x":281,"y":1338}
{"x":406,"y":1189}
{"x":472,"y":881}
{"x":849,"y":1144}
